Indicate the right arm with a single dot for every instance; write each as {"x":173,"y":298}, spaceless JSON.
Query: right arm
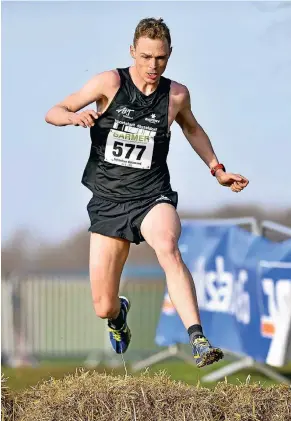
{"x":65,"y":112}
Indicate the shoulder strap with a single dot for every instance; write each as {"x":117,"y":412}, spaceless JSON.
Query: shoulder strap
{"x":165,"y":84}
{"x":123,"y":74}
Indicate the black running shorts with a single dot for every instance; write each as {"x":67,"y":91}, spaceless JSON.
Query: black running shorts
{"x":123,"y":220}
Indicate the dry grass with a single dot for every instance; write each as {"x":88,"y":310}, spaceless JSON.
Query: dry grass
{"x":91,"y":396}
{"x":7,"y":402}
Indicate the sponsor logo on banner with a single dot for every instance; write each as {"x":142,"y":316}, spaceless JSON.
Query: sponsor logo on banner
{"x":275,"y":303}
{"x":274,"y":300}
{"x":236,"y":289}
{"x":222,"y":291}
{"x":276,"y":293}
{"x":268,"y":319}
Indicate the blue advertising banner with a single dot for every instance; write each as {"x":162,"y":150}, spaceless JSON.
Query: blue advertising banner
{"x":243,"y":285}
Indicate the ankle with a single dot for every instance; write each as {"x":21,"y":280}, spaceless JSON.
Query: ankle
{"x":117,"y":322}
{"x":195,"y":331}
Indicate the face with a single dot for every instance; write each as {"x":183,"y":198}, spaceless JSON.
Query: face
{"x":151,"y":57}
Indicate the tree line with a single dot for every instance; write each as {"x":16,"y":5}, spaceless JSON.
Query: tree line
{"x":25,"y":253}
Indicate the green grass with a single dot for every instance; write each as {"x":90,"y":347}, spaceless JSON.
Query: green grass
{"x":192,"y":375}
{"x":24,"y":377}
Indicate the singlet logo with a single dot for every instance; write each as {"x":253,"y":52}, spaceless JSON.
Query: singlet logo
{"x":125,"y":112}
{"x":152,"y":119}
{"x":162,"y":197}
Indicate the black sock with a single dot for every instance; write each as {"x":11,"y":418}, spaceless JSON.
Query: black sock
{"x":195,"y":331}
{"x":118,"y":322}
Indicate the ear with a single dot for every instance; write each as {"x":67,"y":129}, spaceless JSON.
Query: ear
{"x":171,"y":49}
{"x":132,"y":51}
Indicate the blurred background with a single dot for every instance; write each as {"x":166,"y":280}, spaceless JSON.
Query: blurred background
{"x":233,"y":57}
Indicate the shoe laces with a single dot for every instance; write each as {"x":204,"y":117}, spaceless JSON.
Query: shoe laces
{"x":200,"y":341}
{"x":116,"y":334}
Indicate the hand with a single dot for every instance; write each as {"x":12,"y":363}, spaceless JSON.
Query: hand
{"x":235,"y":181}
{"x":85,"y":118}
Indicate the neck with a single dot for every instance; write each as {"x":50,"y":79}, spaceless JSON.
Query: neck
{"x":144,"y":87}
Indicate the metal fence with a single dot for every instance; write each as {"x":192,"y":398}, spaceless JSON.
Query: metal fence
{"x":46,"y":318}
{"x":52,"y":317}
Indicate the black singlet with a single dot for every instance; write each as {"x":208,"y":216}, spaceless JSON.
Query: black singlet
{"x":130,"y":144}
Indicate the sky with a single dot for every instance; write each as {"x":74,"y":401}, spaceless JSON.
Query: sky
{"x":234,"y":57}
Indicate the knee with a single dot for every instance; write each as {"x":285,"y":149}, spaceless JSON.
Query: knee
{"x":105,"y":307}
{"x":167,"y":249}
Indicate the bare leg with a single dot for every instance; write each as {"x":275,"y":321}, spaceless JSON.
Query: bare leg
{"x":107,"y":258}
{"x":161,"y":229}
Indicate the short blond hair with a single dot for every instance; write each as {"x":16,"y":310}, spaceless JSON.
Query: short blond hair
{"x":152,"y":28}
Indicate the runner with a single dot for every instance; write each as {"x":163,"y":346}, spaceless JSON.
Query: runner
{"x":128,"y":175}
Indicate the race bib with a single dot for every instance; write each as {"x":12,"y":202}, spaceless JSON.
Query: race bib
{"x":130,"y":149}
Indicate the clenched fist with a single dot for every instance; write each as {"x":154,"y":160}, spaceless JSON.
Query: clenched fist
{"x":85,"y":118}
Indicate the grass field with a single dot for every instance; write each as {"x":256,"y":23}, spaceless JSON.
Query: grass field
{"x":24,"y":377}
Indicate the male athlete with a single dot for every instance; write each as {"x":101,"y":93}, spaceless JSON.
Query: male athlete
{"x":128,"y":175}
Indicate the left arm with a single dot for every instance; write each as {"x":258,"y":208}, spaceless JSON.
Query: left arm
{"x":200,"y":142}
{"x":194,"y":133}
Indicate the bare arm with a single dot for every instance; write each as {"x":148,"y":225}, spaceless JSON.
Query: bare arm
{"x":200,"y":142}
{"x":194,"y":133}
{"x":65,"y":112}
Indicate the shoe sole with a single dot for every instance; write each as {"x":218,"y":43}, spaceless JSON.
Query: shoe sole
{"x":212,"y":356}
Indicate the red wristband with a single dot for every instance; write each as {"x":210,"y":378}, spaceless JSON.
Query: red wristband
{"x":217,"y":167}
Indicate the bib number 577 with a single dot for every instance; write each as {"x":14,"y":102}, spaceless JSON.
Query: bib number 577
{"x":119,"y":148}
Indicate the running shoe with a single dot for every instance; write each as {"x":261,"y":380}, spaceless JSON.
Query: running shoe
{"x":120,"y":338}
{"x":204,"y":353}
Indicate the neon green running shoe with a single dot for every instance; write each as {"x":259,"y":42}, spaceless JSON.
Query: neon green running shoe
{"x":204,"y":353}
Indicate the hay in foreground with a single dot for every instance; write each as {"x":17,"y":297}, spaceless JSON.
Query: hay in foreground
{"x":7,"y":402}
{"x":91,"y":396}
